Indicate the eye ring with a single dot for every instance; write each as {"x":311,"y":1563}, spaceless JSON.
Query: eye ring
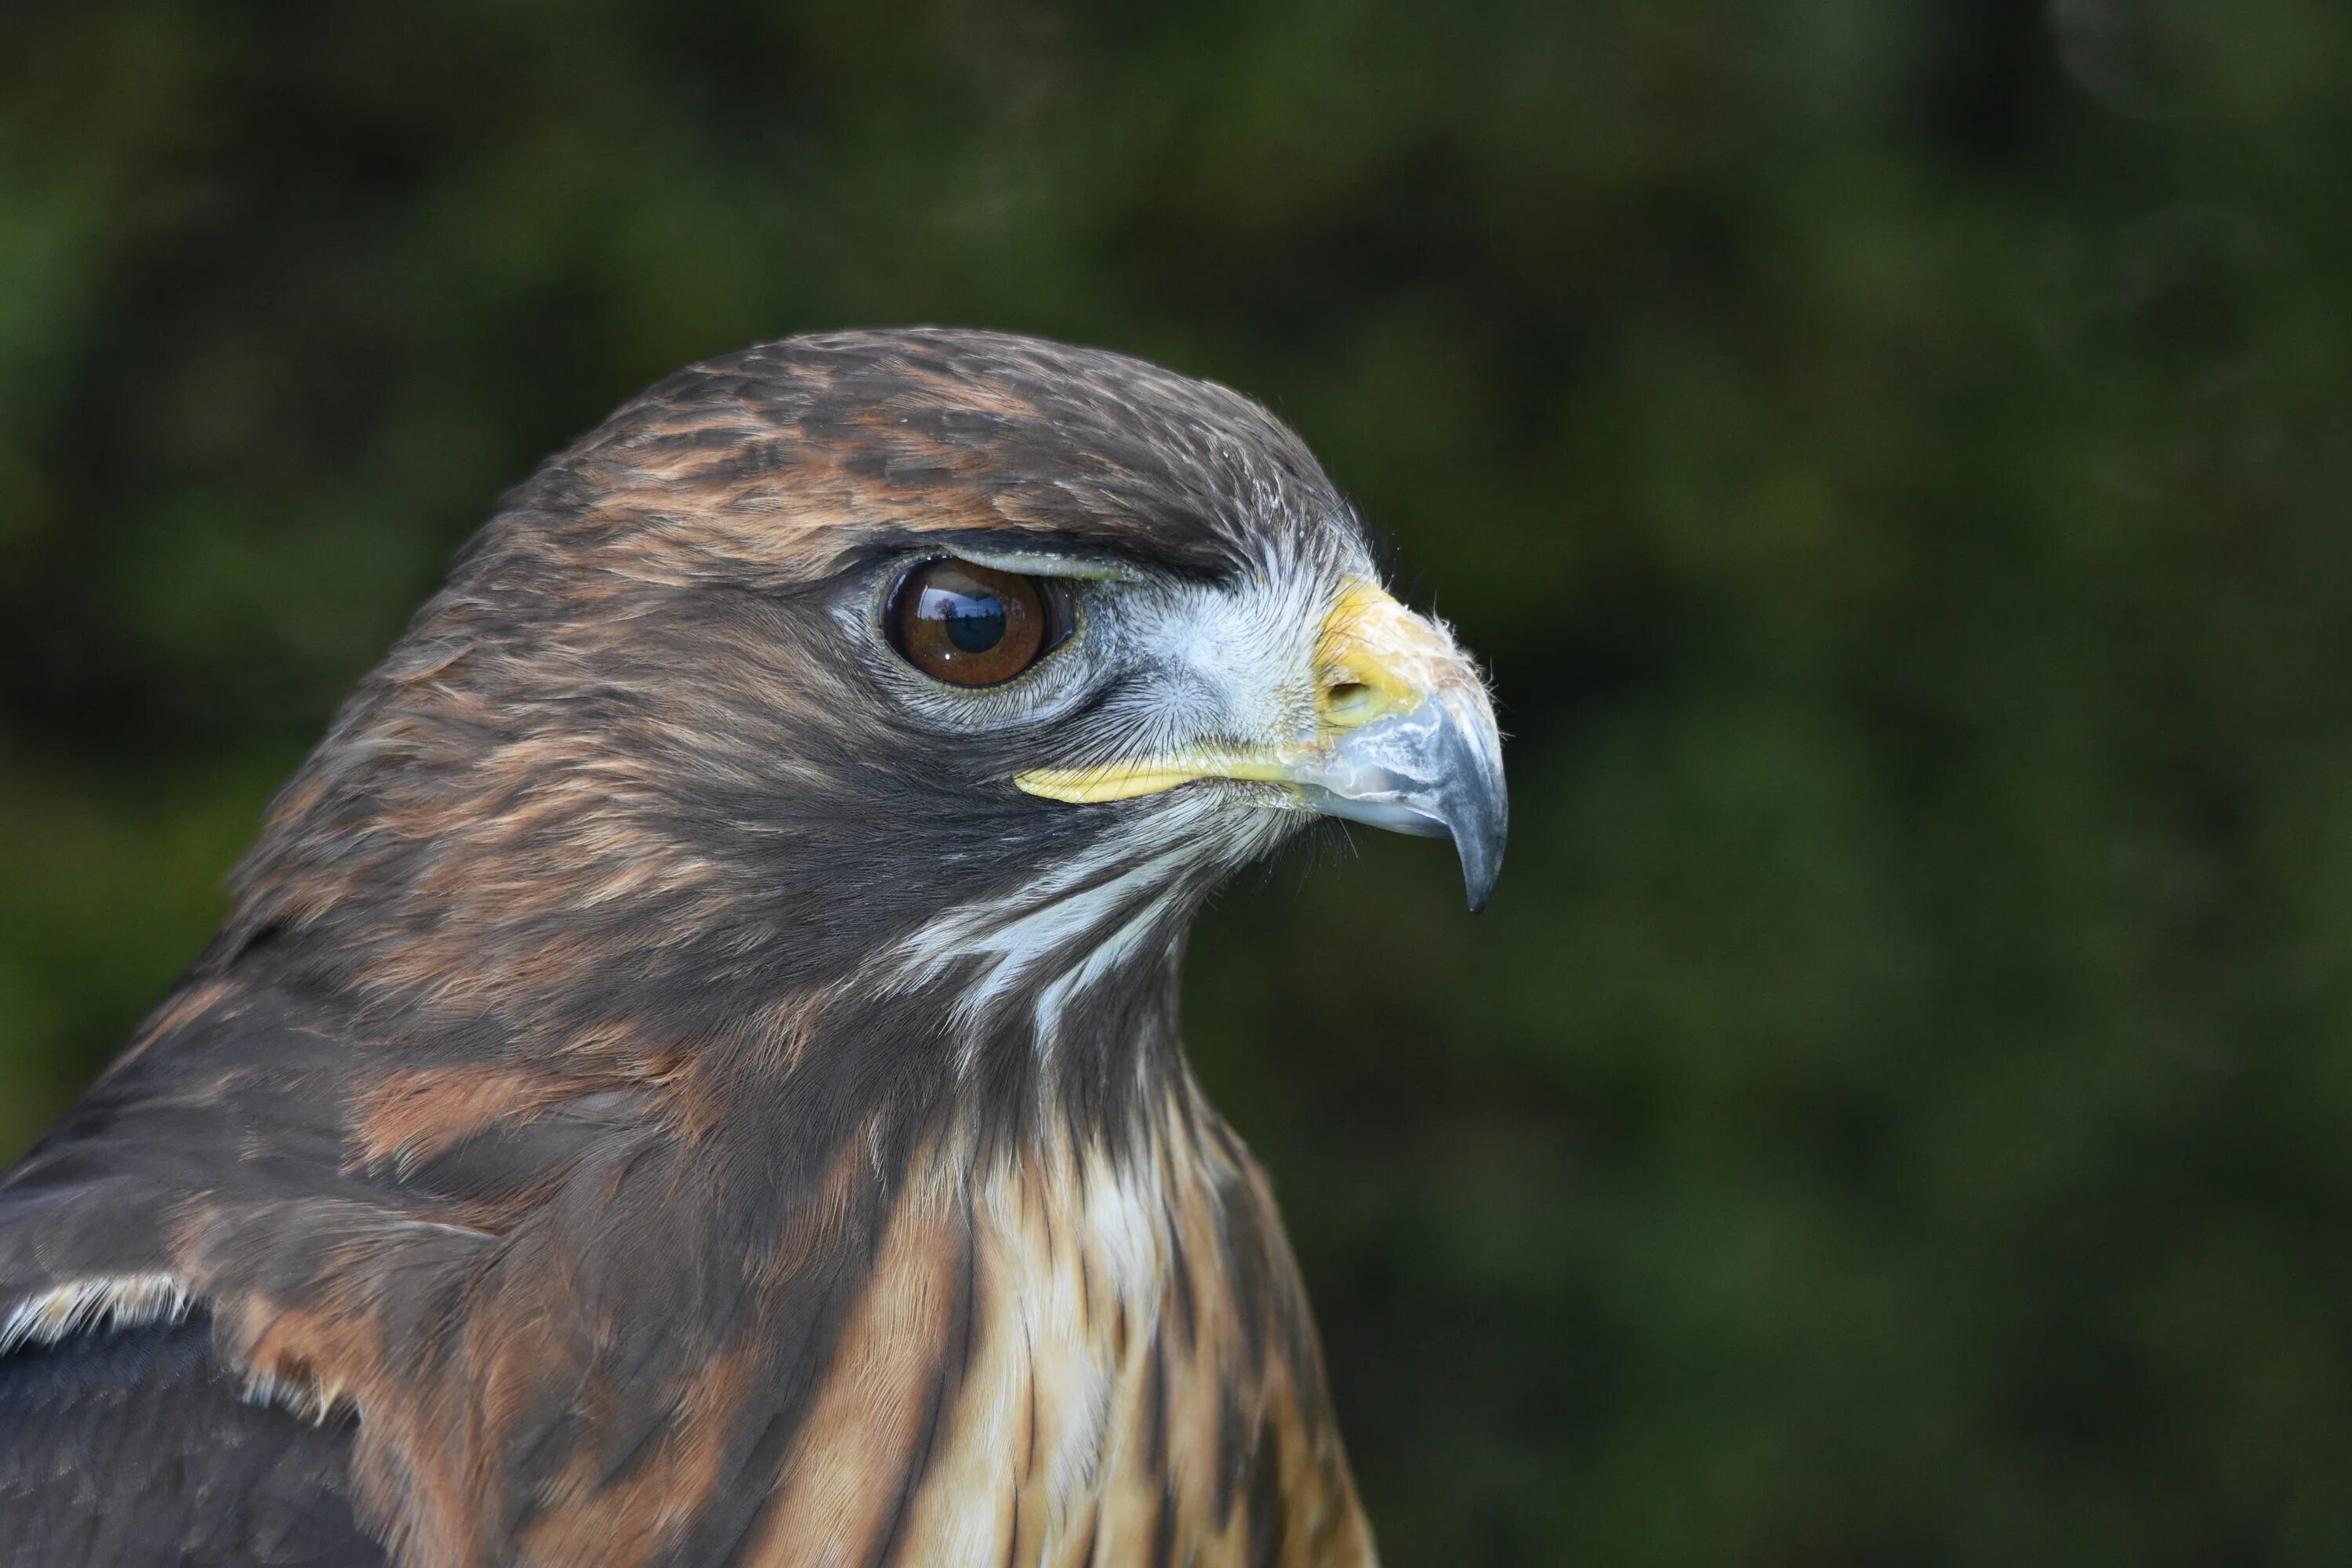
{"x":972,"y":625}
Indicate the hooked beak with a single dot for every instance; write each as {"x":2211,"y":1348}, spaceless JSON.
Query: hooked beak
{"x":1435,"y":770}
{"x":1404,"y":739}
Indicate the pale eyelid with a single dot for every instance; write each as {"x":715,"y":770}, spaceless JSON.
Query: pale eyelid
{"x":1049,"y":563}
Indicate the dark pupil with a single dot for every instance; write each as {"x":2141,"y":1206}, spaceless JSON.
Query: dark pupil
{"x":976,"y":623}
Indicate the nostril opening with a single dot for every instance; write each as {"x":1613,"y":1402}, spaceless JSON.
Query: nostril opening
{"x":1348,"y":701}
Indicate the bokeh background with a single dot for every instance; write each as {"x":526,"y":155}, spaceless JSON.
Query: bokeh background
{"x":1893,"y":456}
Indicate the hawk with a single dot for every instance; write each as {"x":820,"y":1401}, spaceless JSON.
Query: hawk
{"x":690,"y":1072}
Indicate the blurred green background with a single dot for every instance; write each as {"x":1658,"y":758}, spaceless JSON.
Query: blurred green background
{"x":1895,"y":458}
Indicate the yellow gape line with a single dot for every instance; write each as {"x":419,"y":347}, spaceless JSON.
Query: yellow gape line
{"x":1124,"y":781}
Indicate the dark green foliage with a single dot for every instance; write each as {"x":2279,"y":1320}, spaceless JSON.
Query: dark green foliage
{"x":1899,"y":1108}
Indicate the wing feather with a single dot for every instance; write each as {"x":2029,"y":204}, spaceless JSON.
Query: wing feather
{"x":133,"y":1448}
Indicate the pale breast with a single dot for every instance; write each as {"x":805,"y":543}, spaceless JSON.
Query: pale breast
{"x":1068,"y":1358}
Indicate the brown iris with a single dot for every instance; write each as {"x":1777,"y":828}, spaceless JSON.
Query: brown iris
{"x":974,"y":626}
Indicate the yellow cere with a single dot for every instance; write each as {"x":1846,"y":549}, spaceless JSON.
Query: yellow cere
{"x":1372,"y":658}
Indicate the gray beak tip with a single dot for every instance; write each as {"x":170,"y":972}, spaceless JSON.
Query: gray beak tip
{"x":1478,"y":833}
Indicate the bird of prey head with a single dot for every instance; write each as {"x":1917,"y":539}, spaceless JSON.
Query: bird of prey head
{"x":690,"y":1074}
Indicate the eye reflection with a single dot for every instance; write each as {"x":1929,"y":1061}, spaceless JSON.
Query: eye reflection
{"x":974,"y":626}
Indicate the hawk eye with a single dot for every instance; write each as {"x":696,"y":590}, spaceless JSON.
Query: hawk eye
{"x":974,"y":626}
